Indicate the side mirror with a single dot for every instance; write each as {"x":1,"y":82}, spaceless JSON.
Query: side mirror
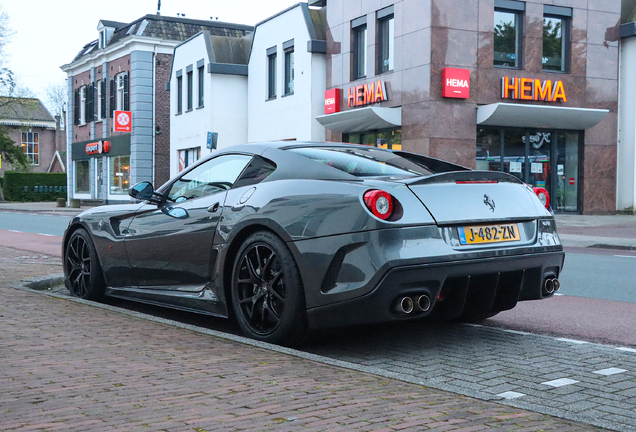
{"x":142,"y":191}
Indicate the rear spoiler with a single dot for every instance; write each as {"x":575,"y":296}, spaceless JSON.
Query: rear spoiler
{"x":465,"y":177}
{"x":434,"y":165}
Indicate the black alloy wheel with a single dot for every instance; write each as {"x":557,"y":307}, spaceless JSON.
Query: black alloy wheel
{"x":81,"y":267}
{"x":267,"y":294}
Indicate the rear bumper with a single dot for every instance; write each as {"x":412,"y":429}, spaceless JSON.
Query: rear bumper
{"x":457,"y":290}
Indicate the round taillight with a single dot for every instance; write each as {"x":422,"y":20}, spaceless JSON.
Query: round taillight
{"x":543,"y":196}
{"x":379,"y":202}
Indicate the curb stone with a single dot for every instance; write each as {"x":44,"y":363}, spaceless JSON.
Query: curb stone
{"x":55,"y":280}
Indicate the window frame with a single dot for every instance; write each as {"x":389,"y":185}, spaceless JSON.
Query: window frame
{"x":98,"y":111}
{"x":189,"y":91}
{"x":271,"y":74}
{"x":179,"y":93}
{"x":200,"y":86}
{"x":82,"y":105}
{"x":28,"y":146}
{"x":385,"y":40}
{"x":565,"y":15}
{"x":518,"y":10}
{"x":358,"y":53}
{"x":289,"y":71}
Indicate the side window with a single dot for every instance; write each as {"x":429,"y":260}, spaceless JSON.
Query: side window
{"x":211,"y":177}
{"x":257,"y":171}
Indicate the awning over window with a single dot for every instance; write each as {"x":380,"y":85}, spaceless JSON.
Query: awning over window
{"x":362,"y":119}
{"x":539,"y":116}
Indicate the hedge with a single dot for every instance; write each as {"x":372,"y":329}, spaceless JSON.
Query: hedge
{"x":19,"y":186}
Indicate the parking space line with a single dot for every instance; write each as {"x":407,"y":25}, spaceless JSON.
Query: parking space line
{"x":631,"y":350}
{"x":510,"y":395}
{"x":573,"y":341}
{"x":560,"y":382}
{"x":610,"y":371}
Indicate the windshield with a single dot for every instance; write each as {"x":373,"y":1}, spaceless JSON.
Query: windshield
{"x":363,"y":162}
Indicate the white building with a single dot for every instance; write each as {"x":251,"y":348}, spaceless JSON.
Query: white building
{"x":626,"y":157}
{"x":268,"y":85}
{"x":208,"y":93}
{"x":287,"y":76}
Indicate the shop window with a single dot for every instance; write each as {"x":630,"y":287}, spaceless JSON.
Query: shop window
{"x":507,"y":33}
{"x":82,"y":176}
{"x":179,"y":94}
{"x":188,"y":156}
{"x":119,"y":174}
{"x":271,"y":73}
{"x":289,"y":71}
{"x":189,"y":89}
{"x":386,"y":37}
{"x":201,"y":76}
{"x":359,"y":48}
{"x":31,"y":146}
{"x":556,"y":38}
{"x":489,"y":149}
{"x":388,"y":139}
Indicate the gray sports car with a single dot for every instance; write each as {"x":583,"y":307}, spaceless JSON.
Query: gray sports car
{"x":289,"y":237}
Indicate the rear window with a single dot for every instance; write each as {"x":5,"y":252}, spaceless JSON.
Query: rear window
{"x":363,"y":162}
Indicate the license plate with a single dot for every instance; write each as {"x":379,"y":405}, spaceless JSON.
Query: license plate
{"x":488,"y":234}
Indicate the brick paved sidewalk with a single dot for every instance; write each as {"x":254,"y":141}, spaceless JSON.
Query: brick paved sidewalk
{"x":74,"y":367}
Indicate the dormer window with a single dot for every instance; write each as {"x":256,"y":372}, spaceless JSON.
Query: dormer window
{"x":102,"y":39}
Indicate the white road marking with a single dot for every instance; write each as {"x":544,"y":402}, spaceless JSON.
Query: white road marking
{"x":625,"y":256}
{"x":610,"y":371}
{"x":558,"y":294}
{"x":631,"y":350}
{"x":510,"y":395}
{"x":517,"y":332}
{"x":48,"y":235}
{"x":573,"y":341}
{"x":560,"y":382}
{"x":15,"y":231}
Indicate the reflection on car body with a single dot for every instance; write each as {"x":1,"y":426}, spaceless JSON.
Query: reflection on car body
{"x":291,"y":237}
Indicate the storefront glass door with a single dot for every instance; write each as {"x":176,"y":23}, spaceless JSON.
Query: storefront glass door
{"x":541,"y":158}
{"x":567,"y":170}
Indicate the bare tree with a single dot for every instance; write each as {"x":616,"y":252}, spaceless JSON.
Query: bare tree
{"x":10,"y":153}
{"x":55,"y":98}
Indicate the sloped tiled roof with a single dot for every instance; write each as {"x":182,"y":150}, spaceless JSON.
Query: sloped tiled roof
{"x":231,"y":50}
{"x":23,"y":109}
{"x":168,"y":28}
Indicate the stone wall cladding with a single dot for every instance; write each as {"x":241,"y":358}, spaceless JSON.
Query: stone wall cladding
{"x":163,"y":67}
{"x":433,"y":34}
{"x":141,"y":139}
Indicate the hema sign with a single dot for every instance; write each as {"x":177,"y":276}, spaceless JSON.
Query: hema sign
{"x":533,"y":89}
{"x":456,"y":83}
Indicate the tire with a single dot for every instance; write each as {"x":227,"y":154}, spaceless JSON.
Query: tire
{"x":82,"y":271}
{"x":267,"y":292}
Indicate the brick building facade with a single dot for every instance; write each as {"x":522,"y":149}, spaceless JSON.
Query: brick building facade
{"x":125,"y":69}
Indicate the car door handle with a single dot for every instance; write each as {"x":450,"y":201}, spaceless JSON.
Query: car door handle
{"x":213,"y":208}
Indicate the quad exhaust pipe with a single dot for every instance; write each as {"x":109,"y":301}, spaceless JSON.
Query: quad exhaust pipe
{"x":416,"y":303}
{"x":551,"y":285}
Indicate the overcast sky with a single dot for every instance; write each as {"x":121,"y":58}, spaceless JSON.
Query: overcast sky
{"x":49,"y":33}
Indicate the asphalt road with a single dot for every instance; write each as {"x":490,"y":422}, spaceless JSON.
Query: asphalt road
{"x":34,"y":223}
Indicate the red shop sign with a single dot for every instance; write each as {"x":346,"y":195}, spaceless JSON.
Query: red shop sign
{"x":366,"y":94}
{"x":98,"y":147}
{"x":456,"y":83}
{"x":332,"y":101}
{"x":122,"y":121}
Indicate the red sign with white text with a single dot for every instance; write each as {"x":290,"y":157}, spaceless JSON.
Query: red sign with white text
{"x":98,"y":147}
{"x":122,"y":121}
{"x":456,"y":83}
{"x":332,"y":101}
